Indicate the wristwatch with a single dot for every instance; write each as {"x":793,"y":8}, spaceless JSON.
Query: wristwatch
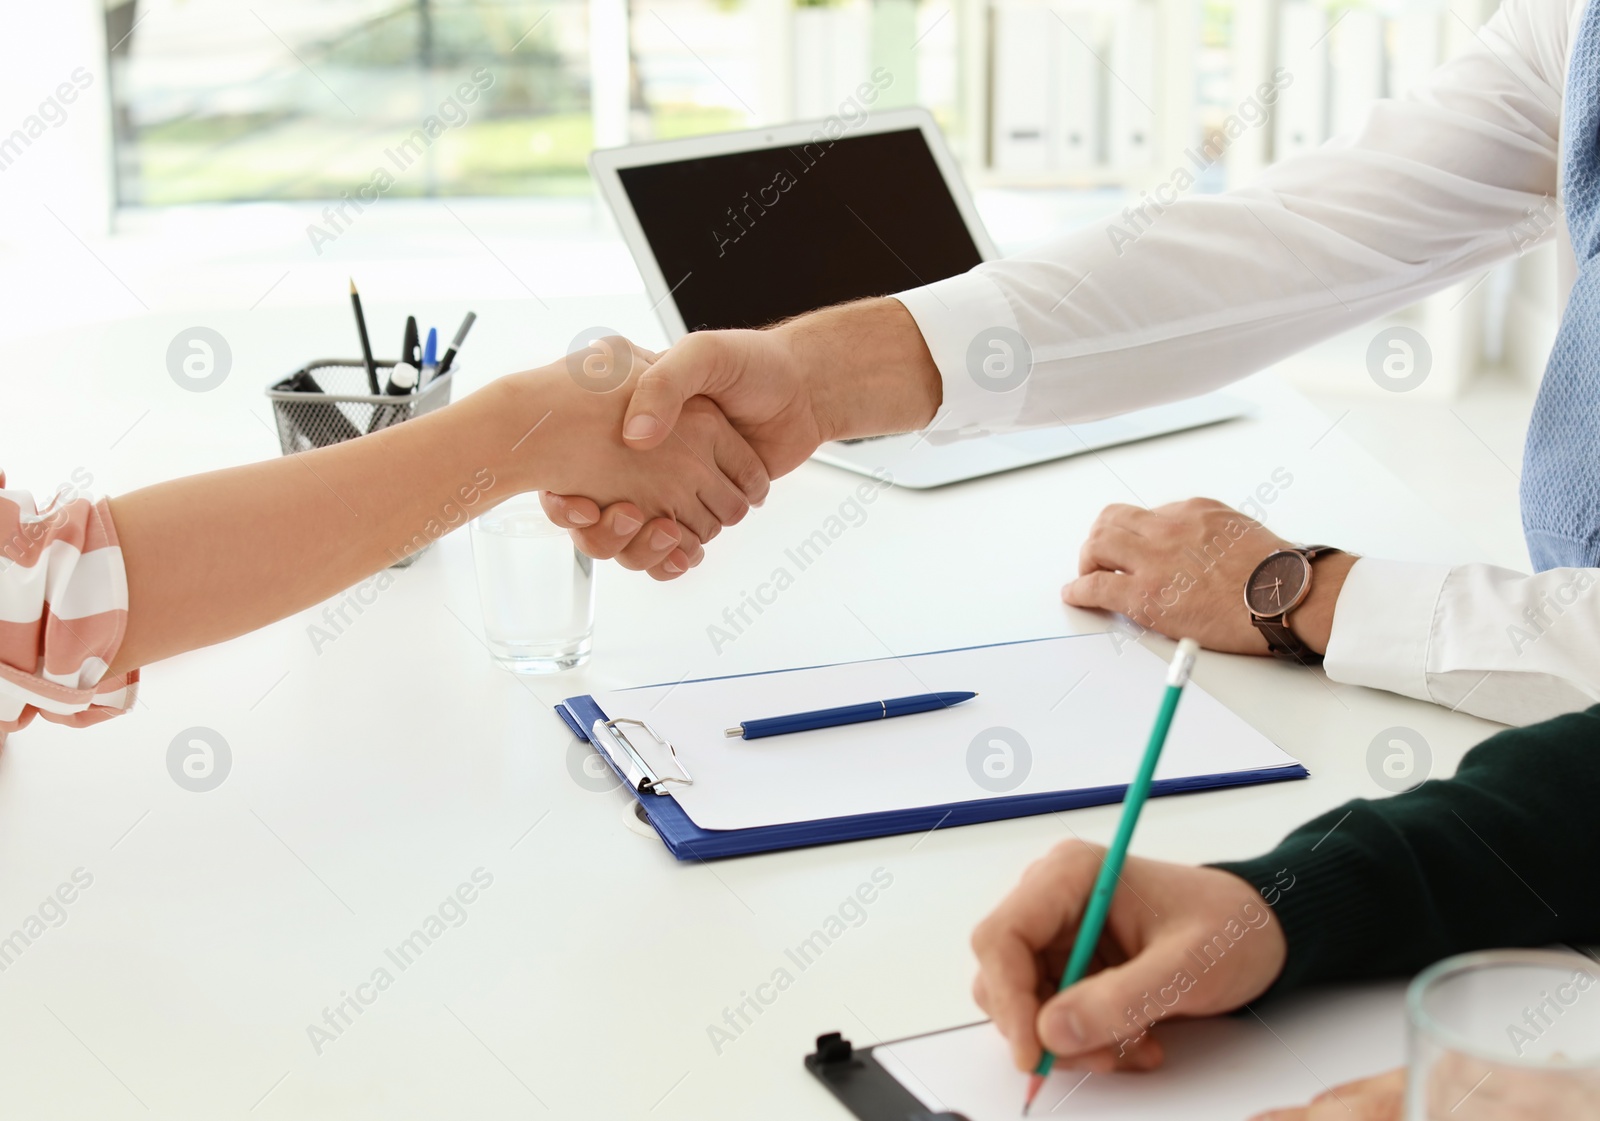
{"x":1278,"y":585}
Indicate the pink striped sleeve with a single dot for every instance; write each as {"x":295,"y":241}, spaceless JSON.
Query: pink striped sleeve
{"x":63,"y":612}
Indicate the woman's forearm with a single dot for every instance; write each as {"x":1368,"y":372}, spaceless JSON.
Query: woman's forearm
{"x":215,"y":555}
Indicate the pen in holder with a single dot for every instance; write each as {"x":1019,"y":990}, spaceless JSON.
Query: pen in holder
{"x":328,"y":401}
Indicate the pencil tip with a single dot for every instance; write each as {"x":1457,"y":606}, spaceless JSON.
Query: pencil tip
{"x":1035,"y":1083}
{"x":352,"y":286}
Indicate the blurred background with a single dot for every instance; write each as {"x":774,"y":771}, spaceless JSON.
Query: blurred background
{"x":206,"y":138}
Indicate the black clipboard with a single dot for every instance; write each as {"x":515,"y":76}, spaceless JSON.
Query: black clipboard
{"x":863,"y":1087}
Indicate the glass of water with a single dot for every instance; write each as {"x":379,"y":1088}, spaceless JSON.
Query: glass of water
{"x":536,"y":588}
{"x":1505,"y":1035}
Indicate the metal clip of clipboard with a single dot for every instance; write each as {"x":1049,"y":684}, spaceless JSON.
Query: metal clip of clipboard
{"x":642,"y":775}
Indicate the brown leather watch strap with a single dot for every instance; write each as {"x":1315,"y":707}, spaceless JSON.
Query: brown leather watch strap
{"x":1284,"y":643}
{"x":1282,"y":640}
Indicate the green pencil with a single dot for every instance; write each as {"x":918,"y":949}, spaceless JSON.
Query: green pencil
{"x":1094,"y":919}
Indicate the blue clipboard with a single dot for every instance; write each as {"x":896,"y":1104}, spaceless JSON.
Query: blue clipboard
{"x":687,"y":841}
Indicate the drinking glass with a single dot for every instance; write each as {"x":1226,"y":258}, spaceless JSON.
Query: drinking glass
{"x":536,"y":589}
{"x":1505,"y":1035}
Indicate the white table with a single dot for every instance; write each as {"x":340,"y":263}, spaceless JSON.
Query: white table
{"x":371,"y":778}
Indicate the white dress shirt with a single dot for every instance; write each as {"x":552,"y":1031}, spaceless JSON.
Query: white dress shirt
{"x":1439,"y":185}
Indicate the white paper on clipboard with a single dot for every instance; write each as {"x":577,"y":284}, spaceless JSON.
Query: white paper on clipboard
{"x":1054,"y":714}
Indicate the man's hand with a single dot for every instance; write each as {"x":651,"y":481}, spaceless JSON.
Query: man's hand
{"x":1379,"y":1098}
{"x":1459,"y":1088}
{"x":1181,"y":569}
{"x":860,"y":369}
{"x":1160,"y":917}
{"x":754,"y":377}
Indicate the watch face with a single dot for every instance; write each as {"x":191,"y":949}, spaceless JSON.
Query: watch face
{"x":1277,"y":584}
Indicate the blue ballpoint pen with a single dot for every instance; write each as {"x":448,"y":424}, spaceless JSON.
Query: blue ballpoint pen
{"x":430,"y":363}
{"x":846,"y":714}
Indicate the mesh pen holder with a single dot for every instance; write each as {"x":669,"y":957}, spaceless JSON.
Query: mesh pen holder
{"x":329,"y":401}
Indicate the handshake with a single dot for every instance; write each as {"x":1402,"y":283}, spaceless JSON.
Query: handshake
{"x":705,"y":426}
{"x":693,"y":437}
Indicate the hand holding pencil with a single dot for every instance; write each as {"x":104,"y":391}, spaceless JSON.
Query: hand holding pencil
{"x":1146,"y":964}
{"x":1104,"y":1022}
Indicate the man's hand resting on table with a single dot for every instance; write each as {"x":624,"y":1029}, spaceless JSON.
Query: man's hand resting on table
{"x":861,"y":369}
{"x":1180,"y":569}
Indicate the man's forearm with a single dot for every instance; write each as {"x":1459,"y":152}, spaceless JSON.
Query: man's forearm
{"x":1501,"y":855}
{"x":867,"y":367}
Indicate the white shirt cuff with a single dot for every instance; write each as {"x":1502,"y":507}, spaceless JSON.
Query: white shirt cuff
{"x":1383,"y":626}
{"x":983,"y":360}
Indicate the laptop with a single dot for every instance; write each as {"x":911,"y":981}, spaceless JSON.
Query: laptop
{"x":744,"y":229}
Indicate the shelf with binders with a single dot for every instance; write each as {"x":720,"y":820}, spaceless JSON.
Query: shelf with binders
{"x":1053,"y":73}
{"x":1084,"y":93}
{"x":1119,"y":92}
{"x":1339,"y":59}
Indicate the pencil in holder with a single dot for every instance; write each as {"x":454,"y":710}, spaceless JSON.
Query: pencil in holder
{"x":330,"y":400}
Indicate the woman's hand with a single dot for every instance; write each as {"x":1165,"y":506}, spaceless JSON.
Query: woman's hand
{"x":659,"y":546}
{"x":214,"y":555}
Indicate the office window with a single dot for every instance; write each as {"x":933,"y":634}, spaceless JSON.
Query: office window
{"x":694,"y":69}
{"x":220,"y":100}
{"x":215,"y":100}
{"x":706,"y":65}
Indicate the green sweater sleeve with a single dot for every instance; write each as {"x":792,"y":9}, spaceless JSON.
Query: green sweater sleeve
{"x":1506,"y":853}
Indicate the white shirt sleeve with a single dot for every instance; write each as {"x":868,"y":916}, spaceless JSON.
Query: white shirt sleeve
{"x":1498,"y":644}
{"x":1167,"y":301}
{"x":1182,"y":294}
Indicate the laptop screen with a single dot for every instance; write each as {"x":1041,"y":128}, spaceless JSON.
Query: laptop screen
{"x":750,"y":238}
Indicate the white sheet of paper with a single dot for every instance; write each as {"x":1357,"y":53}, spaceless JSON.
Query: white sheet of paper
{"x":1223,"y":1069}
{"x":1056,"y":714}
